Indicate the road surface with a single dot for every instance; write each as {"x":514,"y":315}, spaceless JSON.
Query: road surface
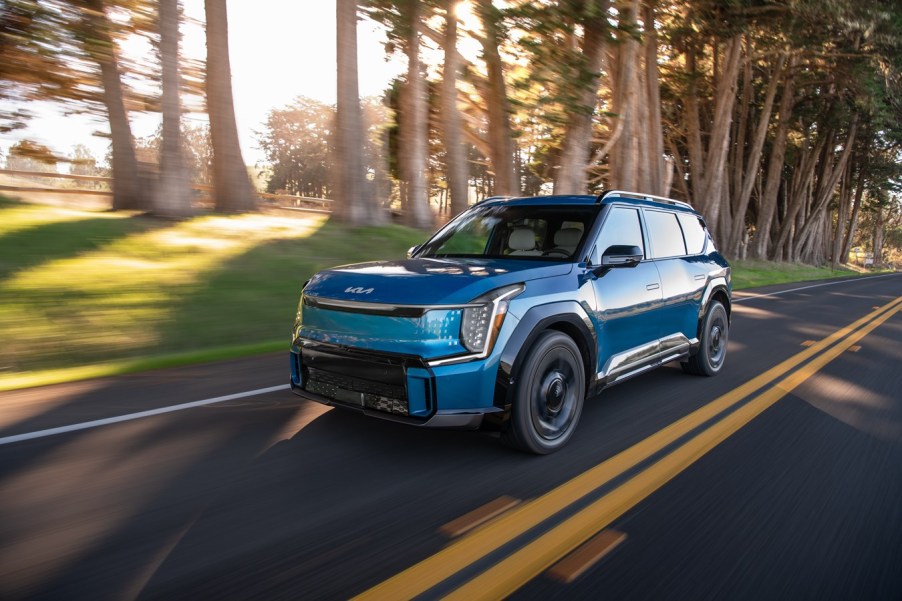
{"x":781,"y":478}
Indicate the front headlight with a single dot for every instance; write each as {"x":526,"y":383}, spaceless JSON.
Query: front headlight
{"x":479,"y":325}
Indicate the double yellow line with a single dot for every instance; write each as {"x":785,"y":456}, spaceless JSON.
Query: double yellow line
{"x":506,"y":576}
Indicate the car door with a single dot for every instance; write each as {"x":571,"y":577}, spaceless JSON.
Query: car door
{"x":682,"y":283}
{"x":626,"y":297}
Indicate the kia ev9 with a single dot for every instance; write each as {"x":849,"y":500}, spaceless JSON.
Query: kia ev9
{"x":516,"y":312}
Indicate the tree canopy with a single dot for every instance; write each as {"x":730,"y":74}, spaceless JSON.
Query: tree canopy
{"x":780,"y":120}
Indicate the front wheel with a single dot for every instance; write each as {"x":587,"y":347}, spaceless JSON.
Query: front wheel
{"x":713,"y":344}
{"x":548,"y":395}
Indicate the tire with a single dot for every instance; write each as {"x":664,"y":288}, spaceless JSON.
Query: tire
{"x":712,"y":350}
{"x":548,"y":395}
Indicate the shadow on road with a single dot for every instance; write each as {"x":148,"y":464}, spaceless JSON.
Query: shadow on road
{"x":271,"y":497}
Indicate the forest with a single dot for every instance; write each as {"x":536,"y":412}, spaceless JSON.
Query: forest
{"x":779,"y":120}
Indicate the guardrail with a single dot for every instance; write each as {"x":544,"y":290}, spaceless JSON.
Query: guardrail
{"x":296,"y":201}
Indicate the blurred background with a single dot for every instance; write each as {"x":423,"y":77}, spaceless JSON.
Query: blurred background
{"x":185,"y":165}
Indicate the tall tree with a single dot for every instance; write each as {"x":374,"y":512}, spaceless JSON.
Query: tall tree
{"x":628,"y":101}
{"x":501,"y":139}
{"x":571,"y":176}
{"x":129,"y":187}
{"x":231,"y":187}
{"x":414,"y":124}
{"x":767,"y":204}
{"x":749,"y":176}
{"x":350,"y":206}
{"x":659,"y":176}
{"x":457,"y":171}
{"x":298,"y":143}
{"x":172,"y":196}
{"x":404,"y":21}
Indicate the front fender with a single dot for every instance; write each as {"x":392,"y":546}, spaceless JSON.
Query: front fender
{"x":567,"y":316}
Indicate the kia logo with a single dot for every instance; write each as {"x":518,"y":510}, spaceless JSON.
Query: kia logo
{"x":359,"y":290}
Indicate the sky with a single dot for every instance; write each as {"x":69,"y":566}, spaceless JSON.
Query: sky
{"x":280,"y":49}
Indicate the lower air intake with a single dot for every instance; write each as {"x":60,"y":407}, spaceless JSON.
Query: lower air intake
{"x":358,"y":392}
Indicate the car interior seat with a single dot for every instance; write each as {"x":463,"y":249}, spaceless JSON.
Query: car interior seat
{"x":566,"y":239}
{"x":522,"y":242}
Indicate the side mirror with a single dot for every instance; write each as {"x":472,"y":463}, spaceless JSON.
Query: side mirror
{"x":621,"y":256}
{"x":413,"y":250}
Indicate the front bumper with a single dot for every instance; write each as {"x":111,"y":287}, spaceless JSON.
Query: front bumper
{"x":396,"y":387}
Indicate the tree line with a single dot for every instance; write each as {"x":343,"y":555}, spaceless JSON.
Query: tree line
{"x":69,"y":51}
{"x":780,"y":120}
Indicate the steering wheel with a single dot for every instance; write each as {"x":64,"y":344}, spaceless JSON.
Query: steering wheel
{"x":559,"y":251}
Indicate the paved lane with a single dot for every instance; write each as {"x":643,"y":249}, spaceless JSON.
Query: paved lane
{"x":271,"y":497}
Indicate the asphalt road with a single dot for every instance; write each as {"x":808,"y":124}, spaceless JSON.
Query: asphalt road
{"x":269,"y":497}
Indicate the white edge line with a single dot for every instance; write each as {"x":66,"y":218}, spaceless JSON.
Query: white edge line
{"x":130,"y":416}
{"x":845,"y":281}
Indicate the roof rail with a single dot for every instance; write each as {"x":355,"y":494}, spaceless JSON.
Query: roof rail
{"x":488,"y":198}
{"x":641,"y":196}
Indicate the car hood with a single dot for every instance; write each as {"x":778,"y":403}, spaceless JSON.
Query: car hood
{"x":427,"y":281}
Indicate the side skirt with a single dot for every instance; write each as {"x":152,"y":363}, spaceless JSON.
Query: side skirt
{"x":636,"y":361}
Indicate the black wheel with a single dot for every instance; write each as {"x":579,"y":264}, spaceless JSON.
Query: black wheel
{"x":548,"y":395}
{"x":713,"y":343}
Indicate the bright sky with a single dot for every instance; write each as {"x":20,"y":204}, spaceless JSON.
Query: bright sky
{"x":280,"y":49}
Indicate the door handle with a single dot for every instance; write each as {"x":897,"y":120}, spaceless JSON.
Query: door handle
{"x":652,"y":286}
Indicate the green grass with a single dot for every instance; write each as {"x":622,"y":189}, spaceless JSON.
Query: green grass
{"x":99,"y":293}
{"x":751,"y":274}
{"x":86,"y":294}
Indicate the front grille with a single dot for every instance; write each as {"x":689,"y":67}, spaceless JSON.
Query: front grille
{"x":349,"y":390}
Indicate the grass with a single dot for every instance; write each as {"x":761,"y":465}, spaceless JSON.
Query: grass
{"x":86,"y":294}
{"x":751,"y":273}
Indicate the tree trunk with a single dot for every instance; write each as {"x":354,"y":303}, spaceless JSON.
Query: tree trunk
{"x":455,"y":150}
{"x":231,"y":187}
{"x":414,"y":128}
{"x":802,"y":178}
{"x":752,"y":164}
{"x":658,"y":174}
{"x":768,"y":203}
{"x":842,"y":213}
{"x":627,"y":103}
{"x":856,"y":208}
{"x":500,"y":135}
{"x":830,"y":177}
{"x":571,"y":176}
{"x":382,"y":182}
{"x":128,"y":192}
{"x":350,"y":202}
{"x":693,"y":127}
{"x":879,"y":235}
{"x":709,"y":200}
{"x":172,"y":196}
{"x":740,"y":136}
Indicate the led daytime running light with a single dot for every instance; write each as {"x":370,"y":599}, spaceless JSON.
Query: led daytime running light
{"x":479,"y":326}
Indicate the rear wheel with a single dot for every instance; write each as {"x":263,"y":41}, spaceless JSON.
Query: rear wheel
{"x":548,"y":395}
{"x":713,"y":344}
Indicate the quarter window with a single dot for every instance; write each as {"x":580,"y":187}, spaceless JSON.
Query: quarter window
{"x":665,"y":234}
{"x":693,"y":232}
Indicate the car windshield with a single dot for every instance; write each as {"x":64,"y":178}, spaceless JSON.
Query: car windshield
{"x":547,"y":233}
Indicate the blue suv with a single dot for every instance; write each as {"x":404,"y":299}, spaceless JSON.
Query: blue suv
{"x":514,"y":313}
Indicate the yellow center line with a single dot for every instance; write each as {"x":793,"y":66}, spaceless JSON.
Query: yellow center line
{"x":465,"y":551}
{"x":510,"y":574}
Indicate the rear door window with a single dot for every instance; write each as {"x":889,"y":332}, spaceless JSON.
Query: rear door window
{"x":664,"y":234}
